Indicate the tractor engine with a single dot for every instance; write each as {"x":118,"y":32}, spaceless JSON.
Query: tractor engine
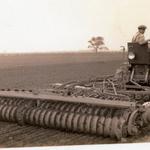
{"x":139,"y":60}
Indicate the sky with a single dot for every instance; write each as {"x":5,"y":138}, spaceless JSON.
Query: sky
{"x":67,"y":25}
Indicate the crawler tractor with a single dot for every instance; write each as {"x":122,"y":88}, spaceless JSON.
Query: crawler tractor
{"x":114,"y":106}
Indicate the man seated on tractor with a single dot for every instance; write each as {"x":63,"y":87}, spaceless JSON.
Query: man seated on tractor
{"x":139,"y":36}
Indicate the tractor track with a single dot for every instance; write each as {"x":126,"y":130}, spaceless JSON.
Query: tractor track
{"x":13,"y":135}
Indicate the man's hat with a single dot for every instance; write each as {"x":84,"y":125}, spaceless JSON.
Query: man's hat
{"x":142,"y":27}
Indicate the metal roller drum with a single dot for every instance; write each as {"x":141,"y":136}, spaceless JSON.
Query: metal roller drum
{"x":99,"y":118}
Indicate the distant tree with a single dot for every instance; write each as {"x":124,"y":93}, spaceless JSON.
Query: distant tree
{"x":96,"y":43}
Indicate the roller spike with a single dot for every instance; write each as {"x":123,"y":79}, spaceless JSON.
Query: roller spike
{"x":58,"y":120}
{"x":76,"y":122}
{"x":69,"y":124}
{"x":47,"y":118}
{"x":7,"y":115}
{"x":64,"y":120}
{"x":53,"y":118}
{"x":107,"y":123}
{"x":41,"y":117}
{"x":94,"y":124}
{"x":32,"y":116}
{"x":88,"y":124}
{"x":82,"y":122}
{"x":100,"y":128}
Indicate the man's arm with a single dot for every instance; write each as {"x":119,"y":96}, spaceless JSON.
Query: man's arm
{"x":142,"y":40}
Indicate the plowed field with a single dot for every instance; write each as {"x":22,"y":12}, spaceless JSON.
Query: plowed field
{"x":38,"y":71}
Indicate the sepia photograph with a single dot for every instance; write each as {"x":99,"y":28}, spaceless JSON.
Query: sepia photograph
{"x":74,"y":72}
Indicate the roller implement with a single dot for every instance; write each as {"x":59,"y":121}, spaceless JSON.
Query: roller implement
{"x":114,"y":106}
